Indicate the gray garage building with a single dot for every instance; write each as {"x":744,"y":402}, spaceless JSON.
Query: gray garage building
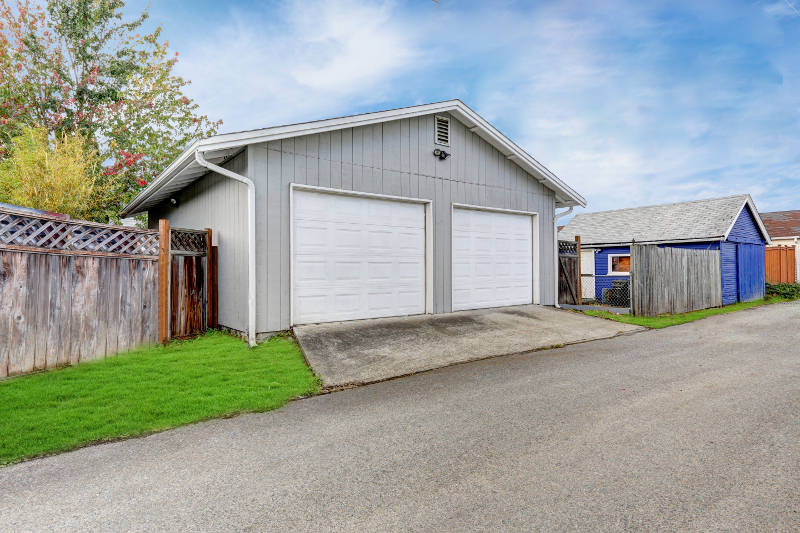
{"x":423,"y":209}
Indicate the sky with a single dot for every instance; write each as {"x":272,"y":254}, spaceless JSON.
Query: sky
{"x":630,"y":102}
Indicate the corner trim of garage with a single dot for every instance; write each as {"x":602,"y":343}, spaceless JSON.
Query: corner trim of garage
{"x":427,"y":203}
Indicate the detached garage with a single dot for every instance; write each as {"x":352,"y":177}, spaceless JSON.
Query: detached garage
{"x":424,"y":209}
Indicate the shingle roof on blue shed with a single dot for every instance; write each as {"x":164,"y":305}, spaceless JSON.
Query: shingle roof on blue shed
{"x":709,"y":219}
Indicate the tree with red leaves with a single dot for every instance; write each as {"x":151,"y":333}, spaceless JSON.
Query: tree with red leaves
{"x":77,"y":67}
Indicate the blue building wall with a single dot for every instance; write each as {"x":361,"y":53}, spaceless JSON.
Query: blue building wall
{"x":745,"y":229}
{"x":741,"y":261}
{"x":602,"y":280}
{"x":743,"y":269}
{"x":730,"y":276}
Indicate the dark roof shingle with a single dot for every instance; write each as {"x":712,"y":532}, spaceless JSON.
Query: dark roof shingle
{"x":684,"y":221}
{"x":782,"y":223}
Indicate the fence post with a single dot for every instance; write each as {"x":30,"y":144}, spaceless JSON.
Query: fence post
{"x":580,"y":272}
{"x":163,"y":280}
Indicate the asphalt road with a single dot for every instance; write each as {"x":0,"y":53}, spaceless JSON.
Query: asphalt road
{"x":695,"y":427}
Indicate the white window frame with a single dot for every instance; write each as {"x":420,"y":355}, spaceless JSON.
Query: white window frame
{"x":610,"y":262}
{"x":535,"y":239}
{"x":426,"y":202}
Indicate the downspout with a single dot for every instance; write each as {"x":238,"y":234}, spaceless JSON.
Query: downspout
{"x":555,"y":251}
{"x":251,"y":240}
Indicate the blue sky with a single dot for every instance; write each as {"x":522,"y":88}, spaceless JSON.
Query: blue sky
{"x":630,"y":102}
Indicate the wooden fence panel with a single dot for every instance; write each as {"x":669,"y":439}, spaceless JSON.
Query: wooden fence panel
{"x":191,"y":303}
{"x":72,"y":291}
{"x":188,"y":298}
{"x":569,"y":291}
{"x":780,"y":264}
{"x":64,"y":309}
{"x":674,"y":280}
{"x":5,"y":313}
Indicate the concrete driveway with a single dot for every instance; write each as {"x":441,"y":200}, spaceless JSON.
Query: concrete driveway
{"x":364,"y":351}
{"x":690,"y":428}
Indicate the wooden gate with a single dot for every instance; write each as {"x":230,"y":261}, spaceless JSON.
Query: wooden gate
{"x":569,"y":275}
{"x":780,"y":264}
{"x":187,"y":282}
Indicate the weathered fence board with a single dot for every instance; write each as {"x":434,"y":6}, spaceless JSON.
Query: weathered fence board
{"x":188,"y":299}
{"x":780,"y":264}
{"x":569,"y":273}
{"x":674,"y":280}
{"x":189,"y":279}
{"x":73,"y":291}
{"x":59,"y":309}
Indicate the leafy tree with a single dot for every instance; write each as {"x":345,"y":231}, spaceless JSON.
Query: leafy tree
{"x":76,"y":66}
{"x":61,"y":175}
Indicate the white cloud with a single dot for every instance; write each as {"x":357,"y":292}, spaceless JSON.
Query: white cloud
{"x":629,"y":102}
{"x":262,"y":69}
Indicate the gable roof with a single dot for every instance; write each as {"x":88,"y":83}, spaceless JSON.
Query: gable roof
{"x":782,"y":223}
{"x":184,"y":170}
{"x":698,"y":220}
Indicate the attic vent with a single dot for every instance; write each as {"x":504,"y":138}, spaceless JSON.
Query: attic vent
{"x":442,"y":131}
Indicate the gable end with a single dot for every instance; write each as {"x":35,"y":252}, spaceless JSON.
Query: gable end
{"x":745,"y":229}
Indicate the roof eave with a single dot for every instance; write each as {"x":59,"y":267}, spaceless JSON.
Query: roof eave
{"x":565,"y":195}
{"x":661,"y":241}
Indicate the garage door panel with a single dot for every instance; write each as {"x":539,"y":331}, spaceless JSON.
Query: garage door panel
{"x":357,"y":257}
{"x":492,"y":259}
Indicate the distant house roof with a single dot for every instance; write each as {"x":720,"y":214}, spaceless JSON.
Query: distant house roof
{"x":698,"y":220}
{"x":782,"y":223}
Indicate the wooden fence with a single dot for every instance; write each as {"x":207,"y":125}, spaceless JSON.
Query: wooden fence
{"x":73,"y":291}
{"x":674,"y":280}
{"x":569,"y":275}
{"x":780,"y":264}
{"x":191,"y":283}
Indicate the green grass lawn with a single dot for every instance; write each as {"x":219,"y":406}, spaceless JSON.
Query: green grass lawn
{"x":147,"y":390}
{"x":663,"y":321}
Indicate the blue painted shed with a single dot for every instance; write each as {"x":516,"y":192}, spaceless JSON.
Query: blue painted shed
{"x":731,"y":225}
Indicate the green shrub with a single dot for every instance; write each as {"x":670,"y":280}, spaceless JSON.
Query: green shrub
{"x":789,"y":291}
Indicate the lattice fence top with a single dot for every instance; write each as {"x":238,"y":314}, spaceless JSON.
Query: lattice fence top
{"x":567,"y":248}
{"x":41,"y":231}
{"x":187,"y":241}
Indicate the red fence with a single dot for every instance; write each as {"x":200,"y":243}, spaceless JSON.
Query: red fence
{"x":780,"y":264}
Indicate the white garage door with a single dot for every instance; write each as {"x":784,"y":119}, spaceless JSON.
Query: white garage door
{"x":356,"y":257}
{"x":492,"y":259}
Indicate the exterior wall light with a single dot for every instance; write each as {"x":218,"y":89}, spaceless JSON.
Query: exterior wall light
{"x":441,"y":154}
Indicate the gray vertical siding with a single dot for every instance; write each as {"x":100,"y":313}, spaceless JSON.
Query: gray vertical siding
{"x":219,"y":203}
{"x":389,"y":158}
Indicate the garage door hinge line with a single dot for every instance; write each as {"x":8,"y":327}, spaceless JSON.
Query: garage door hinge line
{"x":251,"y":240}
